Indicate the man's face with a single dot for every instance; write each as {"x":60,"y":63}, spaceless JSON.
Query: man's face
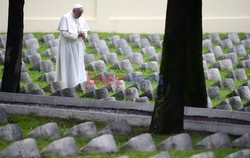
{"x":78,"y":12}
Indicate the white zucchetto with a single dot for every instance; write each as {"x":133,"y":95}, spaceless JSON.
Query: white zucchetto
{"x":76,"y":6}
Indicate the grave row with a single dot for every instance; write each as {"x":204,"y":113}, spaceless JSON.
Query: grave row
{"x":104,"y":142}
{"x":225,"y":61}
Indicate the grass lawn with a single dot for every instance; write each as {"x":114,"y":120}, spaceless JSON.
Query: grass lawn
{"x":35,"y":74}
{"x":28,"y":122}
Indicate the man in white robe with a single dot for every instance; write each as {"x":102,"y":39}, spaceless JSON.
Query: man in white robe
{"x":70,"y":60}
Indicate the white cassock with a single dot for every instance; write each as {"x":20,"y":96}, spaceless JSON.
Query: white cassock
{"x":70,"y":60}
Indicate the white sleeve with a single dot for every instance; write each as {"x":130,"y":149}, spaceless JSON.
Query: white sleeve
{"x":69,"y":36}
{"x":86,"y":35}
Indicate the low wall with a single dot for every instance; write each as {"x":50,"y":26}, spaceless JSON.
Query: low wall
{"x":129,"y":16}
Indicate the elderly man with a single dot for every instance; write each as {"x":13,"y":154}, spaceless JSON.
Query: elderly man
{"x":70,"y":60}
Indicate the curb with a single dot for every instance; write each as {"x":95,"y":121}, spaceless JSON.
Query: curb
{"x":134,"y":120}
{"x":74,"y":102}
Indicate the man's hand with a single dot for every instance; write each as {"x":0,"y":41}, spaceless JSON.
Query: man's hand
{"x":81,"y":34}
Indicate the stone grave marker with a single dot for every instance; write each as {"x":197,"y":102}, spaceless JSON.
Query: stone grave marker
{"x":62,"y":147}
{"x":232,"y":56}
{"x":2,"y":59}
{"x":98,"y":65}
{"x":154,"y":38}
{"x":244,"y":64}
{"x":243,"y":141}
{"x":181,"y":141}
{"x":99,"y":44}
{"x":235,"y":103}
{"x":67,"y":92}
{"x":226,"y":43}
{"x":113,"y":38}
{"x":126,"y":50}
{"x":23,"y":68}
{"x":213,"y":74}
{"x":46,"y":66}
{"x":131,"y":93}
{"x":124,"y":65}
{"x":119,"y":43}
{"x":88,"y":58}
{"x":155,"y":57}
{"x":135,"y":58}
{"x":133,"y":38}
{"x":246,"y":43}
{"x":143,"y":143}
{"x":207,"y":43}
{"x":214,"y":92}
{"x":87,"y":86}
{"x":244,"y":92}
{"x":52,"y":43}
{"x":29,"y":52}
{"x":224,"y":106}
{"x":26,"y":148}
{"x":208,"y":154}
{"x":47,"y":37}
{"x":46,"y":131}
{"x":101,"y":93}
{"x":3,"y":115}
{"x":228,"y":83}
{"x":93,"y":37}
{"x":209,"y":58}
{"x":217,"y":50}
{"x":223,"y":64}
{"x":120,"y":127}
{"x":51,"y":52}
{"x":234,"y":37}
{"x":110,"y":58}
{"x":159,"y":43}
{"x":217,"y":140}
{"x":54,"y":87}
{"x":102,"y":144}
{"x":148,"y":50}
{"x":204,"y":64}
{"x":10,"y":132}
{"x":240,"y":49}
{"x":30,"y":87}
{"x":49,"y":77}
{"x":240,"y":154}
{"x":214,"y":37}
{"x":142,"y":43}
{"x":32,"y":43}
{"x":143,"y":100}
{"x":101,"y":50}
{"x":33,"y":59}
{"x":28,"y":36}
{"x":3,"y":40}
{"x":86,"y":129}
{"x":25,"y":77}
{"x":238,"y":74}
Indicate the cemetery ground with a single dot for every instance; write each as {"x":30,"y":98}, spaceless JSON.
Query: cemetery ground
{"x":217,"y":68}
{"x":226,"y":62}
{"x":27,"y":123}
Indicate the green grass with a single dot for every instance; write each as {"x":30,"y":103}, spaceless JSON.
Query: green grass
{"x":35,"y":74}
{"x":26,"y":125}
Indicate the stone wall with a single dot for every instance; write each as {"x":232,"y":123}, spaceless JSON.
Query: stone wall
{"x":129,"y":16}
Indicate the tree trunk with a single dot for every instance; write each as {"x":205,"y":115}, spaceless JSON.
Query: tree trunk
{"x":13,"y":53}
{"x":195,"y":92}
{"x":178,"y":72}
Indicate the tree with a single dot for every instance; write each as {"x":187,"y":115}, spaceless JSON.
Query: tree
{"x":13,"y":53}
{"x":181,"y":71}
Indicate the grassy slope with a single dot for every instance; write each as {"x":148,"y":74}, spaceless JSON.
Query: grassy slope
{"x":24,"y":121}
{"x":27,"y":125}
{"x":35,"y":74}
